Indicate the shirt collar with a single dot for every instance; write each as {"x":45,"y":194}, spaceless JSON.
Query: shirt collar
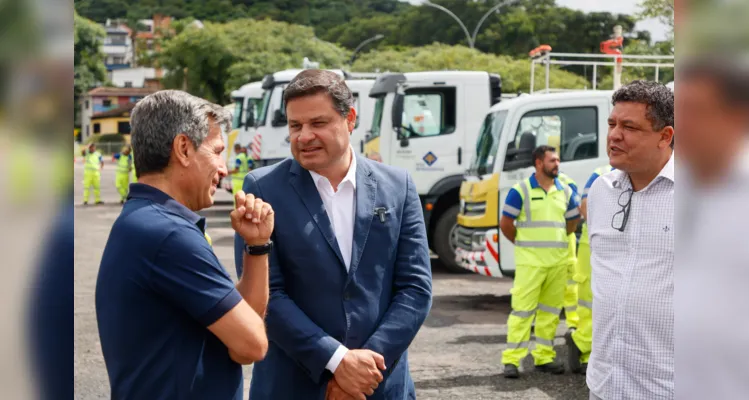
{"x":536,"y":185}
{"x":150,"y":193}
{"x":350,"y":175}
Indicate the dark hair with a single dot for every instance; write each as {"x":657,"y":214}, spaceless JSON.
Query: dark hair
{"x":539,"y":153}
{"x":658,"y":98}
{"x":730,"y":76}
{"x":313,"y":81}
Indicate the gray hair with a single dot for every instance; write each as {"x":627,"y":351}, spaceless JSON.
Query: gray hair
{"x":158,"y":118}
{"x":658,"y":98}
{"x":313,"y":81}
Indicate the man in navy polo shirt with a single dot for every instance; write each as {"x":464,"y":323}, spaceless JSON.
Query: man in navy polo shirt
{"x":172,"y":323}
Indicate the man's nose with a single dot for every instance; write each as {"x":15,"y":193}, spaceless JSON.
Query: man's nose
{"x":615,"y":133}
{"x":222,"y":171}
{"x":305,"y":135}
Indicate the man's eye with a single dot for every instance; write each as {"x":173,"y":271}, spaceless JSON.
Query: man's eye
{"x":318,"y":124}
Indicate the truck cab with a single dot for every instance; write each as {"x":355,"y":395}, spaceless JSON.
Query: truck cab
{"x":272,"y":144}
{"x":427,"y":123}
{"x":247,"y":101}
{"x":575,"y":123}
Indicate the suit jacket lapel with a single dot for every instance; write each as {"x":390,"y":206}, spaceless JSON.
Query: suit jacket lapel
{"x":366,"y":193}
{"x":305,"y":187}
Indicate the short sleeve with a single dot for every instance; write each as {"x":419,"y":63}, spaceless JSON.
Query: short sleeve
{"x":117,"y":156}
{"x":589,"y":184}
{"x":237,"y":163}
{"x":187,"y":273}
{"x":513,"y":204}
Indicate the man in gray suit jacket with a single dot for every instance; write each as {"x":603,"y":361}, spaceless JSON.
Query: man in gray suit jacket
{"x":350,"y":276}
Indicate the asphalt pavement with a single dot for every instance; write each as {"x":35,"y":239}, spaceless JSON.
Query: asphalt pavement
{"x":456,"y":354}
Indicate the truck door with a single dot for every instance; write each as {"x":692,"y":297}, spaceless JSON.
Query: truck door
{"x":275,"y":141}
{"x":429,"y":133}
{"x":576,"y":128}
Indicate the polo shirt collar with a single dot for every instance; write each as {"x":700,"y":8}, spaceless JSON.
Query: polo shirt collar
{"x":150,"y":193}
{"x":536,"y":185}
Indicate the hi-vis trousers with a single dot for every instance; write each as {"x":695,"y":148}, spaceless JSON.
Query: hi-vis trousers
{"x":583,"y":336}
{"x":91,"y":179}
{"x":571,"y":293}
{"x":537,"y":292}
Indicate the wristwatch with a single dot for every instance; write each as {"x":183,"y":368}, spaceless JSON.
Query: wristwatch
{"x":258,"y":250}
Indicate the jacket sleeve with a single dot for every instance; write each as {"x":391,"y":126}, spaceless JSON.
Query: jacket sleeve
{"x":412,"y":298}
{"x":287,"y":325}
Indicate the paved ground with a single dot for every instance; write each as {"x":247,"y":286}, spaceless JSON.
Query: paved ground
{"x":455,"y":355}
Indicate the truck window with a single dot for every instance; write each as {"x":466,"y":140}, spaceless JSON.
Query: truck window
{"x":429,"y":112}
{"x":377,"y":118}
{"x":263,"y":109}
{"x":573,"y":131}
{"x":237,"y":120}
{"x":488,"y":143}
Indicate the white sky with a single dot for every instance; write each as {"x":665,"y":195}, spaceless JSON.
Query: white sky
{"x":657,"y":30}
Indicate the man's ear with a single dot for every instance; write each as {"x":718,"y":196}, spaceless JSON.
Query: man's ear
{"x":667,"y":135}
{"x":181,"y":149}
{"x":351,"y":119}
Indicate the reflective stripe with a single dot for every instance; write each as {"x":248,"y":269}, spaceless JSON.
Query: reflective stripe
{"x":586,"y":304}
{"x":549,"y":309}
{"x":570,"y":309}
{"x":523,"y":314}
{"x":526,"y":201}
{"x":545,"y":342}
{"x":572,"y":213}
{"x":511,"y":210}
{"x":540,"y":224}
{"x":521,"y":345}
{"x":571,"y":282}
{"x":545,"y":245}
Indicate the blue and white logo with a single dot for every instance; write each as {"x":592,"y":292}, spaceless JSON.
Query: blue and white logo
{"x":430,"y":159}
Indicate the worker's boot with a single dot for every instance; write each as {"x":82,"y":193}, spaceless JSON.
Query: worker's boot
{"x":553,"y":367}
{"x":511,"y":371}
{"x":573,"y":353}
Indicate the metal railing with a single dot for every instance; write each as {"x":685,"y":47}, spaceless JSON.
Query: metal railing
{"x":595,"y":60}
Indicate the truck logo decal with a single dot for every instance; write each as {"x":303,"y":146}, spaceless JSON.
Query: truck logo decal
{"x":430,"y":158}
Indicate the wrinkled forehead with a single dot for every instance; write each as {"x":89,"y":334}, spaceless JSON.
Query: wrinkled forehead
{"x":629,"y":110}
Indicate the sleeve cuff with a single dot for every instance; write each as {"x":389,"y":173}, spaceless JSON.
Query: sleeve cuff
{"x":336,"y":359}
{"x":222,"y":307}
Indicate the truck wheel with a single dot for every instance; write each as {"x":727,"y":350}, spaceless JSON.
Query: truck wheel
{"x":444,"y":243}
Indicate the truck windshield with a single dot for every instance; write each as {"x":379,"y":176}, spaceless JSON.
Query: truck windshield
{"x":377,"y":118}
{"x":237,"y":117}
{"x":488,"y":143}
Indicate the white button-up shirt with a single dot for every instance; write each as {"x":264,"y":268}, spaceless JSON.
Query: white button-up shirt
{"x":713,"y":277}
{"x":340,"y":206}
{"x":632,"y":280}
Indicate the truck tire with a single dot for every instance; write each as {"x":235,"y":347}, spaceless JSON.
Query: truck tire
{"x":442,"y":230}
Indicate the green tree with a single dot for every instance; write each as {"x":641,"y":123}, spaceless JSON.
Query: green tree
{"x":88,"y":57}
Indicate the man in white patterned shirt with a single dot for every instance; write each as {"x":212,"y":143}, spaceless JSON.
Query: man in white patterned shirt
{"x":631,"y":226}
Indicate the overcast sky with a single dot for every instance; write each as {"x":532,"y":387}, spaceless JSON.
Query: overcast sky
{"x":657,"y":30}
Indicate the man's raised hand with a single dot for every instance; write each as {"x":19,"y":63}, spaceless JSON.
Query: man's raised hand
{"x":252,"y":219}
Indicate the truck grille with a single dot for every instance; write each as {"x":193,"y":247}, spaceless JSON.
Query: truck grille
{"x":465,"y":237}
{"x":472,"y":209}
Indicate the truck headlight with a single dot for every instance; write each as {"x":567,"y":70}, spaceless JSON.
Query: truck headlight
{"x":477,"y":241}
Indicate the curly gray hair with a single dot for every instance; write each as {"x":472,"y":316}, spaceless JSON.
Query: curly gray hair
{"x":658,"y":98}
{"x":158,"y":118}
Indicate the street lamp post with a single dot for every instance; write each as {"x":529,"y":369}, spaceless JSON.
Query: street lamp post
{"x":471,"y":38}
{"x":364,"y":43}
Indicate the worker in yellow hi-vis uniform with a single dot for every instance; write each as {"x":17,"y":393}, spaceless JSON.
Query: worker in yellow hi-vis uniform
{"x":570,"y":291}
{"x":580,"y":341}
{"x":241,"y":168}
{"x":122,"y":176}
{"x":538,"y":216}
{"x":93,"y":163}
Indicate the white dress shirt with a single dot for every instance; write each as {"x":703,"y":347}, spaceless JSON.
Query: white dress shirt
{"x":712,"y":281}
{"x":340,"y":206}
{"x":632,"y":353}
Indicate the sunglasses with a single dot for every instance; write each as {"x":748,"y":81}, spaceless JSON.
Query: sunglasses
{"x":620,"y":218}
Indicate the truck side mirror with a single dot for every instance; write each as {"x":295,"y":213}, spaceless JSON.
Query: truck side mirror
{"x":279,"y":119}
{"x":404,"y":141}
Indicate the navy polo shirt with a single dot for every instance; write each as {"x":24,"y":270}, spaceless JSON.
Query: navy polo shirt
{"x":159,"y":287}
